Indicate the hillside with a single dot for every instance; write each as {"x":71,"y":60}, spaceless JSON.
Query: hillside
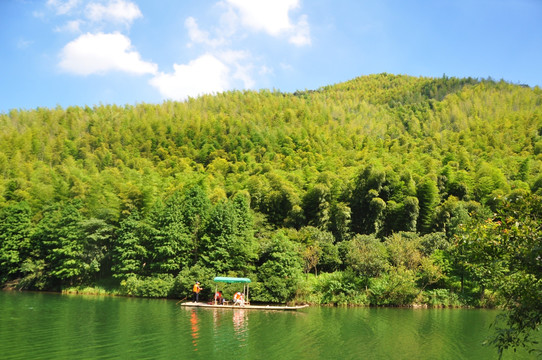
{"x":416,"y":125}
{"x":268,"y":185}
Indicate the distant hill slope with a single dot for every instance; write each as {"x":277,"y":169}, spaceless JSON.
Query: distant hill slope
{"x":479,"y":136}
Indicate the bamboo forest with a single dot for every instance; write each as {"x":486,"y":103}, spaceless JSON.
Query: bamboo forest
{"x":385,"y":190}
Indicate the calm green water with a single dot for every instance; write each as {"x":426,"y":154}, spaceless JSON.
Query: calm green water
{"x":52,"y":326}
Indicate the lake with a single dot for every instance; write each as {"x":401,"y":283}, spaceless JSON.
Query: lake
{"x":54,"y":326}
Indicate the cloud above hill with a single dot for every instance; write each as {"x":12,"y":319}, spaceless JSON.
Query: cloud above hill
{"x":273,"y":17}
{"x":231,"y":67}
{"x":117,"y":11}
{"x":204,"y":75}
{"x":101,"y":53}
{"x":103,"y":44}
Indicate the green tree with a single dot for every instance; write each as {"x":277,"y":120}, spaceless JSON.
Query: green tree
{"x":316,"y":207}
{"x":61,"y":239}
{"x":170,"y":244}
{"x":428,"y":197}
{"x":366,"y":256}
{"x":130,"y":253}
{"x":15,"y":242}
{"x":320,"y":251}
{"x":404,"y":250}
{"x":229,"y":240}
{"x":279,"y":269}
{"x":279,"y":200}
{"x":450,"y":214}
{"x":490,"y":181}
{"x":400,"y":217}
{"x":340,"y":220}
{"x":195,"y":208}
{"x":505,"y":252}
{"x":97,"y":245}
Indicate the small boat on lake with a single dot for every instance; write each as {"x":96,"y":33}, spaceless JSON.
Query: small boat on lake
{"x":241,"y":299}
{"x":245,"y":307}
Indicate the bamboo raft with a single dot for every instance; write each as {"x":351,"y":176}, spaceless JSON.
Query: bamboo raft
{"x":246,"y":307}
{"x":245,"y":304}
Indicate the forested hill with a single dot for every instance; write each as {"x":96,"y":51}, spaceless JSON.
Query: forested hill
{"x":453,"y":131}
{"x":224,"y":183}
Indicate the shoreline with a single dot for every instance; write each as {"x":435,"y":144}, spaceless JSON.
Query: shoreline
{"x":101,"y":292}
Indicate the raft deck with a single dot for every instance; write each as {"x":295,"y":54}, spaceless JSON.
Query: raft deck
{"x":246,"y":307}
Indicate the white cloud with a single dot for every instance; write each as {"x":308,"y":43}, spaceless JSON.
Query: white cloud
{"x":240,"y":61}
{"x":62,"y":7}
{"x":116,"y":11}
{"x":209,"y":73}
{"x":272,"y":17}
{"x":223,"y":68}
{"x":228,"y":22}
{"x":72,"y":26}
{"x":198,"y":36}
{"x":204,"y":75}
{"x":301,"y":35}
{"x":100,"y":53}
{"x":219,"y":69}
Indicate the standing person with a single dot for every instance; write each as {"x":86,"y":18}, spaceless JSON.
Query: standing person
{"x":195,"y":290}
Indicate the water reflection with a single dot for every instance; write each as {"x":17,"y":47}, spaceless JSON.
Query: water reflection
{"x":195,"y":328}
{"x":51,"y":326}
{"x":216,"y":318}
{"x":240,"y":325}
{"x":218,"y":314}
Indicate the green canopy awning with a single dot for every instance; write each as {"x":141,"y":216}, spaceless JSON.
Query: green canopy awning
{"x":230,"y":280}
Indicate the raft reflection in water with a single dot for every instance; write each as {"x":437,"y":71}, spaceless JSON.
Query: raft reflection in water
{"x":240,"y":324}
{"x":195,"y":328}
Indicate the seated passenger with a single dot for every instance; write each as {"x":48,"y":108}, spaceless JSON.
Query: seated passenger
{"x":219,"y":299}
{"x":239,"y":299}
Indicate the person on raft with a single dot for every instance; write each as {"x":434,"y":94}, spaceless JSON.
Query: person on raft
{"x":219,"y":299}
{"x":238,"y":299}
{"x":196,"y":290}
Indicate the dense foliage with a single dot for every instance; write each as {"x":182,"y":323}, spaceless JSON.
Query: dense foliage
{"x":505,"y":252}
{"x":356,"y":193}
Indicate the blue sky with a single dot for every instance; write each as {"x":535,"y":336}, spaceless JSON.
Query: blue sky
{"x":91,"y":52}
